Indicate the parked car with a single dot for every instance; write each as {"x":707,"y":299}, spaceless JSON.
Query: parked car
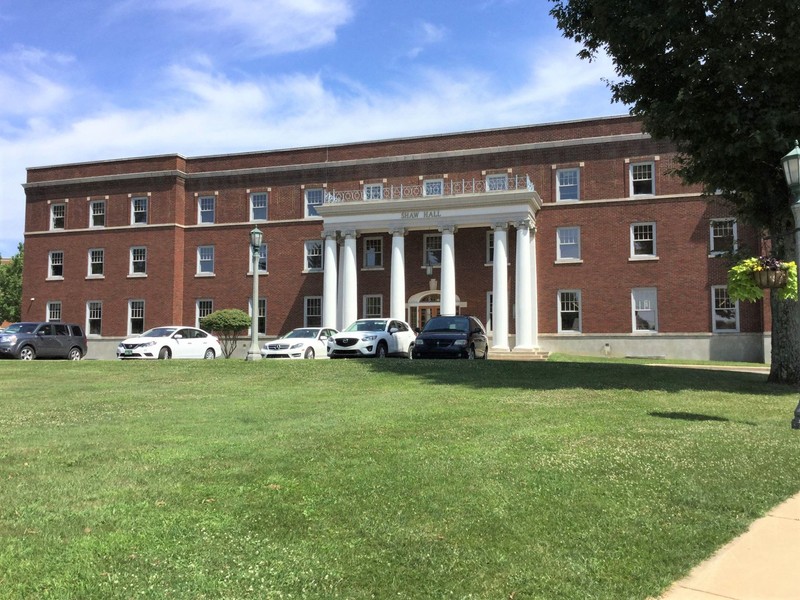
{"x":373,"y":337}
{"x":305,"y":342}
{"x":461,"y":336}
{"x":171,"y":341}
{"x":28,"y":341}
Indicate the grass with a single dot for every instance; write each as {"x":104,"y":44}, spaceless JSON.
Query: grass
{"x":379,"y":479}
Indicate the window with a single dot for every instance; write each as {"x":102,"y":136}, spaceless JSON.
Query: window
{"x":94,"y":317}
{"x":569,"y":244}
{"x":496,"y":183}
{"x":373,"y":191}
{"x":55,"y":267}
{"x":96,"y":262}
{"x":642,"y":180}
{"x":433,"y":250}
{"x":723,"y":236}
{"x":489,"y":247}
{"x":138,"y":264}
{"x":643,"y":240}
{"x":725,"y":312}
{"x":313,"y":255}
{"x":644,"y":303}
{"x":569,"y":311}
{"x":262,"y":315}
{"x":203,"y":308}
{"x":206,"y":209}
{"x":258,"y":206}
{"x":568,"y":184}
{"x":373,"y":252}
{"x":97,"y":213}
{"x":433,"y":187}
{"x":489,"y":310}
{"x":54,"y":311}
{"x":314,"y":198}
{"x":312,"y":311}
{"x":139,"y":210}
{"x":135,"y":316}
{"x":262,"y":259}
{"x":205,"y":260}
{"x":373,"y":307}
{"x":58,"y":216}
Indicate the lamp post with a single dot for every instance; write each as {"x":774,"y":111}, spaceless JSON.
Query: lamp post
{"x":254,"y":353}
{"x":791,"y":169}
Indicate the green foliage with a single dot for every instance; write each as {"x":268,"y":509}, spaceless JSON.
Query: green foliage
{"x":228,"y":325}
{"x":742,"y":286}
{"x":11,"y":287}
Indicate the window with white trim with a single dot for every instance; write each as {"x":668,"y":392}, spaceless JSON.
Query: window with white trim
{"x":55,"y":264}
{"x":432,"y":250}
{"x":262,"y":259}
{"x":373,"y":191}
{"x":94,"y":317}
{"x":496,"y":183}
{"x":723,"y":236}
{"x":644,"y":307}
{"x":433,"y":187}
{"x":139,"y":210}
{"x":373,"y":306}
{"x":489,"y":247}
{"x":261,"y":322}
{"x":203,"y":308}
{"x":567,"y":184}
{"x":373,"y":252}
{"x":314,"y":198}
{"x":642,"y":179}
{"x":724,"y":310}
{"x":568,"y":248}
{"x":205,"y":260}
{"x":643,"y":240}
{"x":96,"y":262}
{"x":135,"y":317}
{"x":206,"y":209}
{"x":489,"y":310}
{"x":97,"y":213}
{"x":138,"y":264}
{"x":58,"y":216}
{"x":312,"y":311}
{"x":258,"y":206}
{"x":569,"y":311}
{"x":54,"y":311}
{"x":313,"y":255}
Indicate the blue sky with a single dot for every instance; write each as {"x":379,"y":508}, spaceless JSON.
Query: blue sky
{"x":93,"y":80}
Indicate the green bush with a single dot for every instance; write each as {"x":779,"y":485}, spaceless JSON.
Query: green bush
{"x":228,"y":325}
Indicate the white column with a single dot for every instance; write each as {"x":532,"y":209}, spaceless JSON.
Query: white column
{"x":500,"y":288}
{"x":448,"y":274}
{"x":523,"y":296}
{"x":340,"y":287}
{"x":534,"y":290}
{"x":398,"y":286}
{"x":349,"y":280}
{"x":330,"y":281}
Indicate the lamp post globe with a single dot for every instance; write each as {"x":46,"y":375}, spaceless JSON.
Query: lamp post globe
{"x":256,"y":237}
{"x":791,"y":170}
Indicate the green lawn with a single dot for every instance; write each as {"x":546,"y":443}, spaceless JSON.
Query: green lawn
{"x":379,"y":479}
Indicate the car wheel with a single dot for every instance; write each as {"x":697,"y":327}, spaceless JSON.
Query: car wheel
{"x":485,"y":353}
{"x":74,"y":354}
{"x":471,"y":353}
{"x":27,"y":353}
{"x":164,"y":353}
{"x":209,"y":355}
{"x":411,"y":351}
{"x":380,"y":351}
{"x":309,"y":353}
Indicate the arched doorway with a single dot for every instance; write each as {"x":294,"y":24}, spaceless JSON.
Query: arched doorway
{"x":425,"y":305}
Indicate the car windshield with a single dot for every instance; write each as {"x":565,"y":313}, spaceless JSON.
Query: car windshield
{"x":447,"y":324}
{"x":368,"y":325}
{"x":20,"y":328}
{"x":302,"y":333}
{"x":159,"y":332}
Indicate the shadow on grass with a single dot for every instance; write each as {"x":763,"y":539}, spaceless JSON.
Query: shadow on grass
{"x":687,"y":416}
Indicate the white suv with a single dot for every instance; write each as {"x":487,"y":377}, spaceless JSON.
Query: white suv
{"x":373,"y":337}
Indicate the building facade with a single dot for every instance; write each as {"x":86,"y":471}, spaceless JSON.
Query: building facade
{"x":573,"y":237}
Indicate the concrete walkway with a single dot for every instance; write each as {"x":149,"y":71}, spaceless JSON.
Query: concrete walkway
{"x":761,"y":564}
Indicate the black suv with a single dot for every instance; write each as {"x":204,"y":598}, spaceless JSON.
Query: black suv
{"x":28,"y":341}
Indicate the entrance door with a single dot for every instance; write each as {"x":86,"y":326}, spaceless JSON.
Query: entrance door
{"x":422,"y":314}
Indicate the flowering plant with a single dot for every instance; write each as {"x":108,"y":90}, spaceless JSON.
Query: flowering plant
{"x":742,"y":284}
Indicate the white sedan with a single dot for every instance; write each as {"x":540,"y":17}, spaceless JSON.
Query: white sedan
{"x":305,"y":342}
{"x":373,"y":337}
{"x":172,"y":341}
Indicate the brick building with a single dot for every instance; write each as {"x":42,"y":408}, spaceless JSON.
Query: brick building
{"x":570,"y":237}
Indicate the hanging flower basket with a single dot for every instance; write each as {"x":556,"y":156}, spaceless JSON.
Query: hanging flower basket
{"x":770,"y":279}
{"x":748,"y":278}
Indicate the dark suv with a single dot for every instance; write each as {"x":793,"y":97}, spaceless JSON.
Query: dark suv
{"x":28,"y":341}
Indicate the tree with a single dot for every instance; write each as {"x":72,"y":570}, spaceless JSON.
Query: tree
{"x":11,"y":287}
{"x":228,"y":325}
{"x":721,"y":80}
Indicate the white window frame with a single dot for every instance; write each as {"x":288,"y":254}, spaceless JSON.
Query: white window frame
{"x":369,"y":302}
{"x":263,"y":259}
{"x":307,"y":256}
{"x":94,"y":214}
{"x":133,"y":260}
{"x":561,"y":301}
{"x":52,"y":263}
{"x":201,"y":310}
{"x":262,"y":316}
{"x":96,"y":256}
{"x":206,"y":214}
{"x":54,"y":311}
{"x":489,"y":311}
{"x":377,"y":253}
{"x":311,"y":201}
{"x":489,"y":248}
{"x":429,"y":187}
{"x":496,"y":182}
{"x":634,"y":176}
{"x":312,"y":311}
{"x":562,"y":242}
{"x":134,"y":307}
{"x":140,"y":208}
{"x":94,"y":312}
{"x":639,"y":298}
{"x":58,"y":213}
{"x":573,"y":171}
{"x":204,"y":255}
{"x":711,"y":230}
{"x":633,"y":239}
{"x":427,"y":250}
{"x":252,"y":204}
{"x":373,"y":191}
{"x":714,"y":308}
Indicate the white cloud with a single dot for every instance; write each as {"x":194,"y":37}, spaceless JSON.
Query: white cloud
{"x":426,"y":34}
{"x":27,"y":81}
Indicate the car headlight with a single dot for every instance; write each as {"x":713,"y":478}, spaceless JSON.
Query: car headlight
{"x":296,"y":346}
{"x":147,"y":344}
{"x":11,"y":339}
{"x":369,"y":338}
{"x":419,"y":342}
{"x":460,"y":343}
